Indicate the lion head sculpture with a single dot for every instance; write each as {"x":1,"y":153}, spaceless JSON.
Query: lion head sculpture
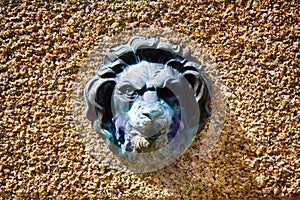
{"x":146,"y":94}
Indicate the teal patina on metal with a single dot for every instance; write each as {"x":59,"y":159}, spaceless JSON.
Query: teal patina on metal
{"x":148,"y":100}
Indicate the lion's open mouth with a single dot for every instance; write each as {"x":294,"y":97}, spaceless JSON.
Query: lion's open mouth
{"x":131,"y":139}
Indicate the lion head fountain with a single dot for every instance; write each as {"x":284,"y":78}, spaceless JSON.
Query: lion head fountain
{"x":148,"y":96}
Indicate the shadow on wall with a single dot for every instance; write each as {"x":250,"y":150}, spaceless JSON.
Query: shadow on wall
{"x":221,"y":173}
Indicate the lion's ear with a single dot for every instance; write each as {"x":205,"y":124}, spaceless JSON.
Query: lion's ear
{"x":97,"y":95}
{"x":202,"y":89}
{"x":196,"y":81}
{"x":103,"y":101}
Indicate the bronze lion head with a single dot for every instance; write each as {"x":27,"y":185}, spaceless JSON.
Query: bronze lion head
{"x":148,"y":95}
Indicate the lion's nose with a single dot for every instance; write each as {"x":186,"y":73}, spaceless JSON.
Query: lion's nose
{"x":153,"y":112}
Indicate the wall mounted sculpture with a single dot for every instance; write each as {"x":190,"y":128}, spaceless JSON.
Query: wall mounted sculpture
{"x":148,"y":100}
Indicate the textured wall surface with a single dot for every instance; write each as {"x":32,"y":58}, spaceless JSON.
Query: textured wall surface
{"x":256,"y":47}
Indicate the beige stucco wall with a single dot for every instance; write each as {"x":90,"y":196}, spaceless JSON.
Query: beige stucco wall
{"x":255,"y":47}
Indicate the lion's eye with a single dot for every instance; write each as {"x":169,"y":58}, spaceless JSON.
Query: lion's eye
{"x":128,"y":91}
{"x":168,"y":96}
